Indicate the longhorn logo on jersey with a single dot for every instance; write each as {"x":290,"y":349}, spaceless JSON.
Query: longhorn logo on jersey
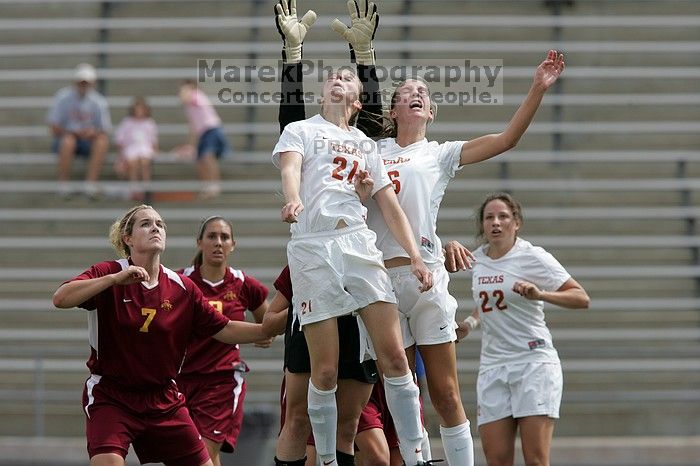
{"x":230,"y":296}
{"x":166,"y":305}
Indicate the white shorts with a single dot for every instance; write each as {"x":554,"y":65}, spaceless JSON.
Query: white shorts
{"x":519,"y":390}
{"x":336,"y":273}
{"x":426,"y":318}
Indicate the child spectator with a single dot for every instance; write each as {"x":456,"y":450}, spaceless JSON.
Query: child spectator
{"x":137,"y":138}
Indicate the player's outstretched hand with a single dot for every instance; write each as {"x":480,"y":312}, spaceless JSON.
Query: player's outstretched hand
{"x":291,"y":29}
{"x":265,"y":343}
{"x":423,"y":273}
{"x":364,"y":21}
{"x":363,"y":185}
{"x":291,"y":211}
{"x":132,"y":274}
{"x":462,"y":330}
{"x":457,"y":257}
{"x":549,"y":70}
{"x":527,"y":290}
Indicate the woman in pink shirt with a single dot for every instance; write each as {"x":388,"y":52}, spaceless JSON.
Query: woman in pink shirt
{"x":205,"y":125}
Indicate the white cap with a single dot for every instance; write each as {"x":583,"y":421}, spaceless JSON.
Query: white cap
{"x":85,"y":72}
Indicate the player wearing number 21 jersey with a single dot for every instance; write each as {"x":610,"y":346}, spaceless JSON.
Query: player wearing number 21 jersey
{"x":331,"y":157}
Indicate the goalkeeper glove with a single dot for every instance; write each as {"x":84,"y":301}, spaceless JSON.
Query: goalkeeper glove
{"x":364,"y":20}
{"x":291,"y":29}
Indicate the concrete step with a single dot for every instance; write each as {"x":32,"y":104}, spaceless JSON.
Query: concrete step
{"x":566,"y":451}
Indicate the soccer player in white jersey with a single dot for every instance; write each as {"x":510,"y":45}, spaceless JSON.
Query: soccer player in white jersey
{"x":520,"y":378}
{"x":334,"y":263}
{"x":420,"y":171}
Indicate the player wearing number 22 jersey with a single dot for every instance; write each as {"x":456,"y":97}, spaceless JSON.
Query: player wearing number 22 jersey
{"x":514,"y":327}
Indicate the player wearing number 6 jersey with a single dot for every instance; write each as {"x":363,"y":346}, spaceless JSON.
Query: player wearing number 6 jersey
{"x":520,"y":379}
{"x":212,"y":377}
{"x":142,"y":316}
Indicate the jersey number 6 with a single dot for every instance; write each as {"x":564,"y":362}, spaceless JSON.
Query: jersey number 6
{"x":394,"y":177}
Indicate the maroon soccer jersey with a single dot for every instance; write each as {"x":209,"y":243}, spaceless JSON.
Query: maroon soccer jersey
{"x":283,"y":284}
{"x":138,"y":335}
{"x":231,"y":296}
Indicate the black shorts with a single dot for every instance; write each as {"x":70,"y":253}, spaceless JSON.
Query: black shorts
{"x":296,"y":352}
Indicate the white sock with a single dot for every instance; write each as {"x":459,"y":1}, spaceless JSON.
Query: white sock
{"x":458,"y":445}
{"x":425,"y":446}
{"x":323,"y":414}
{"x":402,"y":399}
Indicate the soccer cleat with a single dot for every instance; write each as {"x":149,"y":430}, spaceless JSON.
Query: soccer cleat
{"x":427,"y":463}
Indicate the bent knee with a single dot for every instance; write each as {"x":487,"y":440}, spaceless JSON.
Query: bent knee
{"x":447,"y":402}
{"x":394,"y":363}
{"x":325,"y":376}
{"x":68,"y":141}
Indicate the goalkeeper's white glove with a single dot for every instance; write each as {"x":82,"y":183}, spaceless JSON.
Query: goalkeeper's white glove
{"x":291,"y":29}
{"x":364,"y":20}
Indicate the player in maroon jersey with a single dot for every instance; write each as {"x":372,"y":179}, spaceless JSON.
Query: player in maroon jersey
{"x":142,"y":317}
{"x":212,"y":377}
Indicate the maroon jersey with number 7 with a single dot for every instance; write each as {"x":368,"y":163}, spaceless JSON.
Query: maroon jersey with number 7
{"x":138,"y":334}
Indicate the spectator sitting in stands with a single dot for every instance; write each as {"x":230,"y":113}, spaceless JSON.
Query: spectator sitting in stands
{"x":205,"y":127}
{"x":79,"y":120}
{"x":137,"y":138}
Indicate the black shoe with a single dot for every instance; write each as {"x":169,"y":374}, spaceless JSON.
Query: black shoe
{"x":427,"y":463}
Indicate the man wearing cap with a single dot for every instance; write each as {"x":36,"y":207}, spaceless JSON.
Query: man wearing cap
{"x":79,"y":120}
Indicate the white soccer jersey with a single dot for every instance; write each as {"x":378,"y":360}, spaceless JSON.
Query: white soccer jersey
{"x":514,"y":329}
{"x":420,"y":173}
{"x":331,"y":157}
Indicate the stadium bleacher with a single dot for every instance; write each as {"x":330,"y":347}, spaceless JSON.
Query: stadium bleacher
{"x":609,"y":176}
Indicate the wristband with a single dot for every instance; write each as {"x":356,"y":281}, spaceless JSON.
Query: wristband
{"x":472,"y":322}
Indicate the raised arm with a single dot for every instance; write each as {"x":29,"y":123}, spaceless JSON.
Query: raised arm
{"x":75,"y":293}
{"x":364,"y":20}
{"x":488,"y":146}
{"x":293,"y":31}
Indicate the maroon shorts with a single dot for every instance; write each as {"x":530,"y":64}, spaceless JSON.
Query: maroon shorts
{"x":216,"y":406}
{"x":155,"y":422}
{"x":376,"y":416}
